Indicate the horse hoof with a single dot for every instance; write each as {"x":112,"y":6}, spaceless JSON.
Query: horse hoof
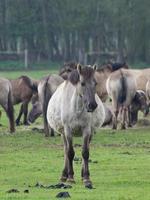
{"x":114,"y":127}
{"x":88,"y":184}
{"x":71,"y":180}
{"x":129,"y":125}
{"x":123,"y":127}
{"x":63,"y":179}
{"x":27,"y":124}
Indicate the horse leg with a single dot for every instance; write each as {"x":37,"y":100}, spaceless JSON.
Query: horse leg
{"x":25,"y":112}
{"x":19,"y":116}
{"x":124,"y":117}
{"x":10,"y":114}
{"x":48,"y":130}
{"x":64,"y":175}
{"x":129,"y":117}
{"x":70,"y":154}
{"x":85,"y":158}
{"x":115,"y":114}
{"x":114,"y":119}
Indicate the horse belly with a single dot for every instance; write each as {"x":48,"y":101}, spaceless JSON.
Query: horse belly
{"x":54,"y":113}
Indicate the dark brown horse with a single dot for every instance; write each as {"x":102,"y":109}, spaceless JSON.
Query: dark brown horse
{"x":6,"y":101}
{"x":22,"y":90}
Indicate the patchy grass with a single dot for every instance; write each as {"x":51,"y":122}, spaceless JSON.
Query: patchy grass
{"x":121,"y":170}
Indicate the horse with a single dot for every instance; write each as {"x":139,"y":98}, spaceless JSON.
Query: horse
{"x":46,"y":88}
{"x":139,"y":103}
{"x":75,"y":107}
{"x":6,"y":101}
{"x":22,"y":91}
{"x":121,"y":87}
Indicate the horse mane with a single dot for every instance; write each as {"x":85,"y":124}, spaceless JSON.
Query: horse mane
{"x":29,"y":82}
{"x":87,"y":71}
{"x":116,"y":66}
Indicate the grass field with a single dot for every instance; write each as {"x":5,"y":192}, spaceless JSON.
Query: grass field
{"x":120,"y":162}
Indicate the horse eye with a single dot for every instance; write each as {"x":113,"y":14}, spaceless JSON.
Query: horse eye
{"x":83,"y":83}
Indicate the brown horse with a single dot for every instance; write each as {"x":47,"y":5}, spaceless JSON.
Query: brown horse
{"x":121,"y":87}
{"x":22,"y":90}
{"x":6,"y":101}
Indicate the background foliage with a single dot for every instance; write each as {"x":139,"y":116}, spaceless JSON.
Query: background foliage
{"x":63,"y":30}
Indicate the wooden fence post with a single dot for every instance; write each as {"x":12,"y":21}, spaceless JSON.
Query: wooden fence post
{"x":26,"y":58}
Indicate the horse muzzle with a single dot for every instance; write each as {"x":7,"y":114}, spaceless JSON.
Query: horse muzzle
{"x":91,"y":107}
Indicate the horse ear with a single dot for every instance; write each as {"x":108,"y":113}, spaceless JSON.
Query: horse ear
{"x":74,"y":77}
{"x":79,"y":67}
{"x":95,"y":67}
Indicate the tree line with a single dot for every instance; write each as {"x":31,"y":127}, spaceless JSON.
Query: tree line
{"x":63,"y":30}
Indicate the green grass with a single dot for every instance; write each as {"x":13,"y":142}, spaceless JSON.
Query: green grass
{"x":31,"y":73}
{"x":121,"y":172}
{"x":19,"y":65}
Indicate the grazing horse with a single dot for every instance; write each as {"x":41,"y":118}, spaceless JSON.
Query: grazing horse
{"x":121,"y":87}
{"x":75,"y":106}
{"x":6,"y":101}
{"x":22,"y":90}
{"x":36,"y":109}
{"x":46,"y":88}
{"x":139,"y":103}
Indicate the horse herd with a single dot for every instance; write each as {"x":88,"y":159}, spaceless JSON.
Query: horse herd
{"x":75,"y":101}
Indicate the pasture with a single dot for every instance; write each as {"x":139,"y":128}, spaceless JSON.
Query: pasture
{"x":119,"y":162}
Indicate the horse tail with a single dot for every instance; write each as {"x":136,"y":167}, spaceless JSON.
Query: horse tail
{"x":10,"y":111}
{"x":47,"y":96}
{"x":123,"y":91}
{"x":31,"y":84}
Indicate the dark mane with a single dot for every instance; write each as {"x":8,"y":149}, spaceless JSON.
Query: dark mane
{"x":29,"y":82}
{"x":112,"y":67}
{"x":87,"y":72}
{"x":116,"y":66}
